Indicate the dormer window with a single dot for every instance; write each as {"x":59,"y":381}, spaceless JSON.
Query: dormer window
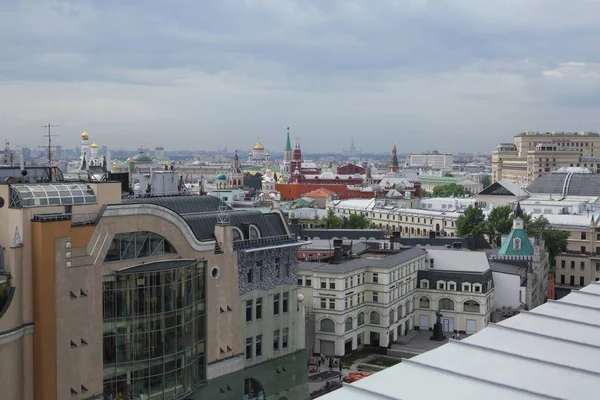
{"x":517,"y":243}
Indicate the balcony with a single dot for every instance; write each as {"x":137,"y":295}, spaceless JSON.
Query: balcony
{"x":264,"y":241}
{"x":77,"y":219}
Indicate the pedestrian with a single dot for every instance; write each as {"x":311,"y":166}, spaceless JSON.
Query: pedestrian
{"x":457,"y":335}
{"x":453,"y":335}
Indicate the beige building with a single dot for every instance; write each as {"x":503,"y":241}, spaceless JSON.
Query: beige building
{"x":145,"y":298}
{"x":533,"y":154}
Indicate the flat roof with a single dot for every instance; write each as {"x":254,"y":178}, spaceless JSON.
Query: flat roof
{"x":463,"y":261}
{"x":516,"y":358}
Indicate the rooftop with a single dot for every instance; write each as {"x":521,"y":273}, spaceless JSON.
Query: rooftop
{"x":566,"y":184}
{"x":359,"y":263}
{"x":514,"y":359}
{"x":463,"y":261}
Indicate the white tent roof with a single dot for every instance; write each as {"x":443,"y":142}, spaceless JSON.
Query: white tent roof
{"x":550,"y":352}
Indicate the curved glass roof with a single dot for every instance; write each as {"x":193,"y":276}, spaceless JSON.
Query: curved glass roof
{"x":51,"y":194}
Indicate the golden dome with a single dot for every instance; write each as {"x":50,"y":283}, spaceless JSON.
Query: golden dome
{"x":258,"y":146}
{"x":281,"y":179}
{"x":128,"y":159}
{"x":114,"y":163}
{"x":149,"y":155}
{"x":94,"y":146}
{"x":84,"y":135}
{"x":249,"y":154}
{"x":267,"y":154}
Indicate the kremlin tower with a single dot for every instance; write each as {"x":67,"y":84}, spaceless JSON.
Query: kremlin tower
{"x":287,"y":155}
{"x":394,"y":167}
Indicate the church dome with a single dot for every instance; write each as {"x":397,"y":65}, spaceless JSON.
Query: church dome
{"x":258,"y":146}
{"x":94,"y":146}
{"x":281,"y":180}
{"x":141,"y":158}
{"x":221,"y":177}
{"x":84,"y":135}
{"x":250,"y":154}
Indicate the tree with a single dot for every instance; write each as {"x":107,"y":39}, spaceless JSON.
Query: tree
{"x":449,"y":190}
{"x":499,"y":222}
{"x":471,"y":223}
{"x":425,"y":193}
{"x":358,"y":221}
{"x":332,"y":221}
{"x":555,"y":239}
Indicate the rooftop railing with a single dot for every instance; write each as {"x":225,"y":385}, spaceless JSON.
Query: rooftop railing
{"x":77,"y":219}
{"x":264,"y":241}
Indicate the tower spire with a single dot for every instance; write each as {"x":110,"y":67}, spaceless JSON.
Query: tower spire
{"x":288,"y":144}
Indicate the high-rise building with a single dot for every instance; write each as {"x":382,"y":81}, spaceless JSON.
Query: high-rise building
{"x":150,"y":298}
{"x":159,"y":153}
{"x":433,"y":160}
{"x":533,"y":154}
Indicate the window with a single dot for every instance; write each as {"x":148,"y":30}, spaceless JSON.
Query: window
{"x":276,"y":340}
{"x":582,"y":266}
{"x":471,"y":306}
{"x":424,"y":284}
{"x":132,"y":245}
{"x":446,"y":304}
{"x":332,"y":284}
{"x":276,"y":304}
{"x":284,"y":338}
{"x":300,"y":281}
{"x":332,"y":304}
{"x":360,"y":320}
{"x":258,"y":346}
{"x":391,"y":317}
{"x":248,"y":348}
{"x":249,"y":275}
{"x":323,"y":283}
{"x":308,"y":281}
{"x":374,"y":318}
{"x":375,"y":277}
{"x":323,"y":303}
{"x":477,"y":288}
{"x":277,"y":270}
{"x":346,"y":283}
{"x":562,"y":263}
{"x":572,"y":264}
{"x":260,"y":270}
{"x":441,"y":285}
{"x":248,"y":310}
{"x":348,"y":324}
{"x":258,"y":308}
{"x":424,"y":302}
{"x":451,"y":286}
{"x":375,"y":297}
{"x":466,"y":287}
{"x":285,"y":301}
{"x":583,"y":235}
{"x":583,"y":249}
{"x":327,"y":325}
{"x":597,"y":267}
{"x":581,"y":281}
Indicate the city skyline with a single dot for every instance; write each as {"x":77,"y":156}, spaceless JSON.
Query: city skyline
{"x":208,"y":75}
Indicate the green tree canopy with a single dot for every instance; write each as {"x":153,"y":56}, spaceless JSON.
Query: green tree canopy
{"x":332,"y":221}
{"x":499,"y":222}
{"x":449,"y":190}
{"x":555,"y":239}
{"x":358,"y":221}
{"x":471,"y":223}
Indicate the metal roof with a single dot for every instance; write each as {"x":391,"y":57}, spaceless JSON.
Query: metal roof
{"x":50,"y":194}
{"x":359,"y":263}
{"x":351,"y":234}
{"x":182,"y":204}
{"x":550,"y":352}
{"x":566,"y":184}
{"x":157,"y":266}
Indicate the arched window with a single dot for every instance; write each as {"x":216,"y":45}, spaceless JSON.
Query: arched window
{"x":253,"y":390}
{"x":254,"y":232}
{"x":446,"y":304}
{"x":399,"y":312}
{"x":237,"y":234}
{"x":327,"y":325}
{"x":471,"y":306}
{"x":391,"y":317}
{"x":375,"y":318}
{"x":132,"y":245}
{"x":361,"y":319}
{"x":406,"y":312}
{"x":424,"y":302}
{"x":348,"y":324}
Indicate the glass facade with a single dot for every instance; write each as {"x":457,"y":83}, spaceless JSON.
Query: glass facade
{"x":50,"y":194}
{"x":131,"y":245}
{"x":154,"y":331}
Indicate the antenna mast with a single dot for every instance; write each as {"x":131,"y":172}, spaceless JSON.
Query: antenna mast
{"x":49,"y":135}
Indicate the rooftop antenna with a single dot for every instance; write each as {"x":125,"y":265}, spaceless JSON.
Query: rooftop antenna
{"x":49,"y":135}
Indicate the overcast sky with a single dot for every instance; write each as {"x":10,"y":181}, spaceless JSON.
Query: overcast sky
{"x":451,"y":75}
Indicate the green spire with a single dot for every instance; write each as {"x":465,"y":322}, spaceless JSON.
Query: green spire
{"x":288,"y":145}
